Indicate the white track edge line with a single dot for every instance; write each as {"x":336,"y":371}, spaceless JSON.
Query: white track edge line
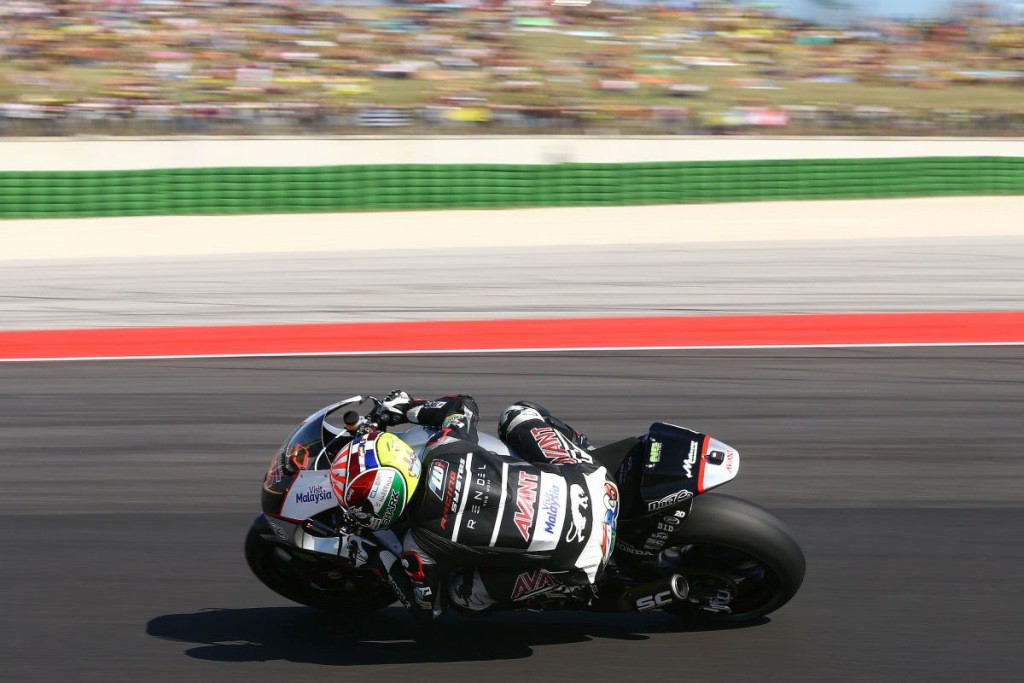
{"x":539,"y":349}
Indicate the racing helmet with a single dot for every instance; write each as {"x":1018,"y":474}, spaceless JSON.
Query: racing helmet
{"x":374,"y":477}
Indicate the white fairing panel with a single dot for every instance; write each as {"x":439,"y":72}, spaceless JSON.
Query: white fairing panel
{"x":310,"y":494}
{"x":330,"y":546}
{"x":593,"y":556}
{"x":719,"y":464}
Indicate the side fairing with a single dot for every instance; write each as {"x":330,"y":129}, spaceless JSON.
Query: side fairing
{"x":309,"y":495}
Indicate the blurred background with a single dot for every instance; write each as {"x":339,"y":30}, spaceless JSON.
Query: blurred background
{"x":279,"y":67}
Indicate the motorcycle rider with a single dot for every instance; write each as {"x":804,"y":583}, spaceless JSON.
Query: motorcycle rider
{"x":513,"y":527}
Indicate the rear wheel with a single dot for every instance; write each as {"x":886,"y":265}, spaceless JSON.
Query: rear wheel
{"x":304,"y":578}
{"x":741,"y":561}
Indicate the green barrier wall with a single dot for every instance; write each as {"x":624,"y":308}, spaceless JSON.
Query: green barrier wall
{"x":392,"y":187}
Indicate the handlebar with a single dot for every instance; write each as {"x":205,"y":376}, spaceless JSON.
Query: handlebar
{"x":375,"y":419}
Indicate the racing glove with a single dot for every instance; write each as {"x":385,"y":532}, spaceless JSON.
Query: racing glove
{"x":394,"y":406}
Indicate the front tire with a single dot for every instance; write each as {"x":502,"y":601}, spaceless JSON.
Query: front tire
{"x":295,"y":575}
{"x":737,"y":556}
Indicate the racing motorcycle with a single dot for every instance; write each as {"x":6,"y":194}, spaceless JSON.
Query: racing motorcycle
{"x":717,"y":559}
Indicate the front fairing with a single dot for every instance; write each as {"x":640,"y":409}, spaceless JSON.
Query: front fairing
{"x":297,"y":485}
{"x":301,"y":464}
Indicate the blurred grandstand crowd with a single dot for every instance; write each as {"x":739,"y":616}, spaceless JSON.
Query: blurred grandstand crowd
{"x":139,"y":67}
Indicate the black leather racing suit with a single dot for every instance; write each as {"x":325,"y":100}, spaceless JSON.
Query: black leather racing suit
{"x":513,"y":527}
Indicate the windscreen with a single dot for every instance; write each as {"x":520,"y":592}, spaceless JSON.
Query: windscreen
{"x":299,"y":452}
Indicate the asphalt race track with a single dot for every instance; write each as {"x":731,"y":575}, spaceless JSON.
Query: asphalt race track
{"x":128,"y":487}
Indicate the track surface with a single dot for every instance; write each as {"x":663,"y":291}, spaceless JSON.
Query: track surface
{"x":129,"y":486}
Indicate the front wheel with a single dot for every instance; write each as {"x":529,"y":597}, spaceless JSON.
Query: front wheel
{"x":741,"y":561}
{"x":307,"y":579}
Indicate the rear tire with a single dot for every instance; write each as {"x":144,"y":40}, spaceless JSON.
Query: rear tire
{"x":727,"y":535}
{"x":270,"y":561}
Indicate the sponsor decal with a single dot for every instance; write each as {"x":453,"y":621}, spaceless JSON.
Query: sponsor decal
{"x":551,"y":512}
{"x":669,"y":523}
{"x":314,"y":494}
{"x":278,"y":529}
{"x":458,"y":420}
{"x":457,"y":490}
{"x":383,"y":484}
{"x":669,"y":500}
{"x":730,"y":457}
{"x":555,"y":448}
{"x":438,"y":473}
{"x":481,"y":491}
{"x":533,"y":583}
{"x":579,"y":503}
{"x":629,"y":549}
{"x":414,"y":465}
{"x":440,"y":403}
{"x":654,"y":601}
{"x":549,"y":508}
{"x":526,"y":498}
{"x":655,"y":456}
{"x":388,"y":513}
{"x":452,"y":491}
{"x":551,"y":446}
{"x":653,"y":545}
{"x":656,"y":541}
{"x":399,"y":593}
{"x":691,"y":459}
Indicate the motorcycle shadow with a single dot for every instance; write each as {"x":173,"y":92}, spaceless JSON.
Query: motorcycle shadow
{"x":389,"y":636}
